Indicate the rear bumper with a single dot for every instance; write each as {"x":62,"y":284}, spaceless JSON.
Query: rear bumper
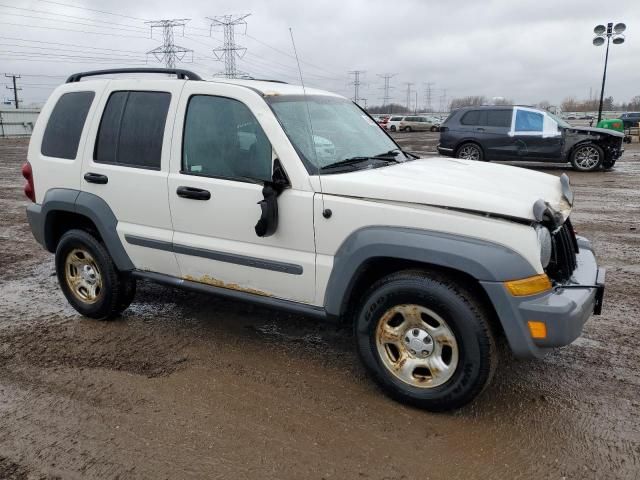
{"x":445,"y":150}
{"x":564,"y":310}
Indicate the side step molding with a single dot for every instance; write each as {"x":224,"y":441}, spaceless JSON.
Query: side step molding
{"x":264,"y":301}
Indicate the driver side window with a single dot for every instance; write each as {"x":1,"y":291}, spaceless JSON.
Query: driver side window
{"x":223,"y":139}
{"x":528,"y":121}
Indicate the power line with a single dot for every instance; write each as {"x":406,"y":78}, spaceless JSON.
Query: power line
{"x":230,"y":50}
{"x":169,"y":52}
{"x":128,"y":28}
{"x":72,"y":31}
{"x":14,"y":88}
{"x":93,"y":10}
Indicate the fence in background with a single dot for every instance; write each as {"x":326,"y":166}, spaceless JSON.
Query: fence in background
{"x":17,"y":122}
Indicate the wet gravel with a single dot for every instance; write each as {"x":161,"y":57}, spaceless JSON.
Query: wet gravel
{"x":189,"y":386}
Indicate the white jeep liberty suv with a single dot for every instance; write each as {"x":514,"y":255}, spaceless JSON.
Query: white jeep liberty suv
{"x":298,"y":200}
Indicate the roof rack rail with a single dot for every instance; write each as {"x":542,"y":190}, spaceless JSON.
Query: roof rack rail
{"x":181,"y":74}
{"x":249,"y":77}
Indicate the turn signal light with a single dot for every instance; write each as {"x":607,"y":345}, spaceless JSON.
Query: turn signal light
{"x":529,"y":286}
{"x":537,"y":329}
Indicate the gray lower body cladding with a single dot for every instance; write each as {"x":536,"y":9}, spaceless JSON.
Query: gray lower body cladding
{"x":564,"y":311}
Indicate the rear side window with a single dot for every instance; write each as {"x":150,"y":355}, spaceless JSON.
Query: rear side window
{"x":132,"y":129}
{"x":62,"y":135}
{"x":527,"y":121}
{"x":499,"y":118}
{"x":474,"y":117}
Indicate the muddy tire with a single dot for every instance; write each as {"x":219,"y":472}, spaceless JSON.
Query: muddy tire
{"x":128,"y":292}
{"x":587,"y":157}
{"x":89,"y":278}
{"x":470,"y":151}
{"x":425,"y":341}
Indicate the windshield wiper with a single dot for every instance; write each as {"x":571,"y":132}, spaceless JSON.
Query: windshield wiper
{"x":385,"y":157}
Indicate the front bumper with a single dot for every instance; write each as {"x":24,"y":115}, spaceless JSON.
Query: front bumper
{"x":564,"y":310}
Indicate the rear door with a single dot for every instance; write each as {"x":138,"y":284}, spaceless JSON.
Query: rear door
{"x":126,"y":163}
{"x":495,"y":126}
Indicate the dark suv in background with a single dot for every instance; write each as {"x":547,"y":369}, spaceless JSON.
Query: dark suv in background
{"x":630,"y":119}
{"x":529,"y":134}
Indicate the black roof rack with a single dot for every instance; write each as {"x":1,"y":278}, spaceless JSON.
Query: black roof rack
{"x":181,"y":74}
{"x":249,"y":77}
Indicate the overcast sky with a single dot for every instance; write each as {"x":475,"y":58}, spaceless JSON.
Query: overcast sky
{"x":524,"y":50}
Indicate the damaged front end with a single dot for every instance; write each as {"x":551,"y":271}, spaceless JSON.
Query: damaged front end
{"x":610,"y":141}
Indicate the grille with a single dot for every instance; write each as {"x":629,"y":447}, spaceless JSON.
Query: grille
{"x":564,"y":247}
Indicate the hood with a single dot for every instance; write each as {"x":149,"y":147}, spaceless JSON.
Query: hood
{"x":606,"y":131}
{"x":454,"y":183}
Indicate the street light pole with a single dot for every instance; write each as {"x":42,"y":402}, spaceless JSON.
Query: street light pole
{"x":604,"y":75}
{"x":601,"y":32}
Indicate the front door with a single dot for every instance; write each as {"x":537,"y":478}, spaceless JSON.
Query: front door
{"x":536,"y":135}
{"x":220,"y":161}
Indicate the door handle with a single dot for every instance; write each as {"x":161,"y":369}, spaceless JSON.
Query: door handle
{"x":95,"y":178}
{"x":193,"y":193}
{"x":479,"y":129}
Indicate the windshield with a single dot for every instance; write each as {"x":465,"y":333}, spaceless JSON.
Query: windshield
{"x":560,"y":121}
{"x":341,"y":130}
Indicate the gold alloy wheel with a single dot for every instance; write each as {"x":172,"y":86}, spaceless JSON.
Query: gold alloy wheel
{"x":417,"y":346}
{"x":83,"y":276}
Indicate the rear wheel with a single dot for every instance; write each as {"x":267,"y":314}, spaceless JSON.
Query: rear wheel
{"x":392,"y":128}
{"x":407,"y":129}
{"x":434,"y":129}
{"x":470,"y":151}
{"x":89,"y":278}
{"x":425,"y":341}
{"x":587,"y":157}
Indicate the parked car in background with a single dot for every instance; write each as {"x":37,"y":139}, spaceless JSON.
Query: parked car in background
{"x":526,"y":133}
{"x":587,"y":117}
{"x":630,"y":119}
{"x":415,"y":123}
{"x":393,"y":124}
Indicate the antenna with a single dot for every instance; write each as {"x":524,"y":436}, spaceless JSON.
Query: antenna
{"x":325,"y":212}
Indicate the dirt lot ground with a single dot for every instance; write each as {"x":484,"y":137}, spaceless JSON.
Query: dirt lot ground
{"x":189,"y":386}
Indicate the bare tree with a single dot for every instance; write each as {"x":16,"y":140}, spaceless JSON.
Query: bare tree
{"x":471,"y":101}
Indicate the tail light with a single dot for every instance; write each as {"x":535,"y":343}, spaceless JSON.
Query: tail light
{"x":29,"y":189}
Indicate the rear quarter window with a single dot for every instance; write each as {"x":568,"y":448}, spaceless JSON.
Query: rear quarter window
{"x":499,"y":118}
{"x":64,"y":128}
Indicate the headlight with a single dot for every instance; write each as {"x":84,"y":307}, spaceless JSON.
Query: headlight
{"x":544,"y":242}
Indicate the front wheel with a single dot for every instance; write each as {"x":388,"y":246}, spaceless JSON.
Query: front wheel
{"x":392,"y":128}
{"x":587,"y":157}
{"x":425,"y":341}
{"x":407,"y":129}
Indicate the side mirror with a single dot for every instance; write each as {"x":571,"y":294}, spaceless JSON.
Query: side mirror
{"x":268,"y":223}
